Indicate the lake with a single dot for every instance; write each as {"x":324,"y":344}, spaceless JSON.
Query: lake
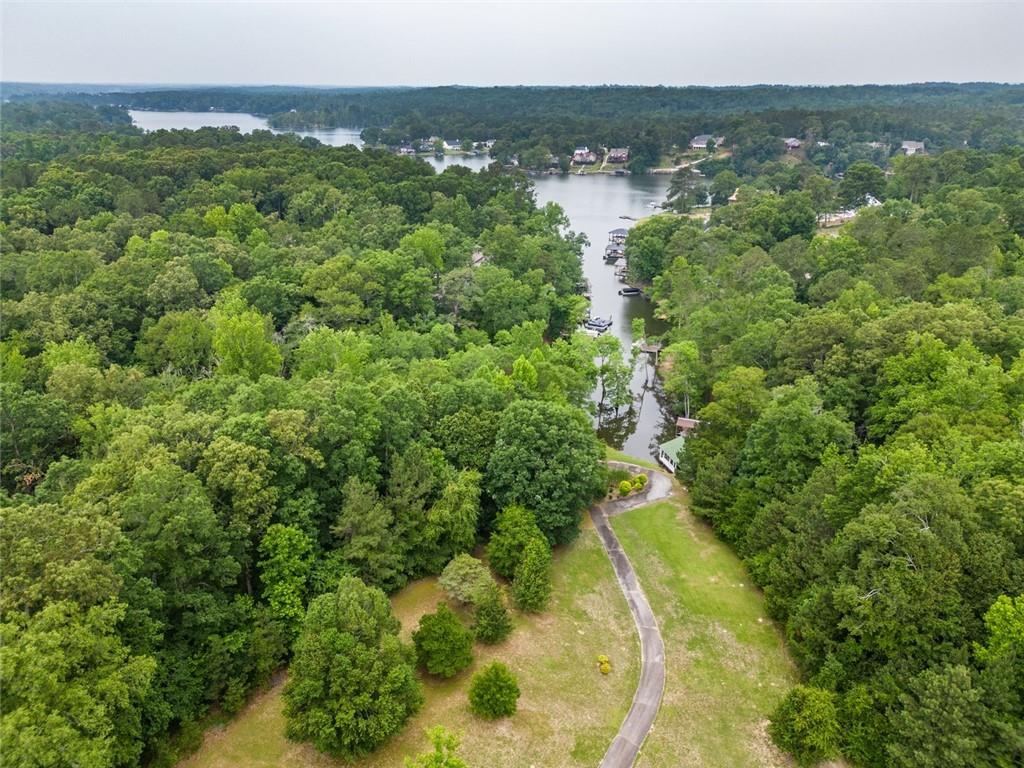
{"x":594,"y":205}
{"x":246,"y":123}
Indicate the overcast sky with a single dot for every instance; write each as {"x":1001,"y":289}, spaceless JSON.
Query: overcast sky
{"x":489,"y":43}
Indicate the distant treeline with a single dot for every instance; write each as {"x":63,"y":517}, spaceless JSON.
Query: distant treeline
{"x":649,"y":120}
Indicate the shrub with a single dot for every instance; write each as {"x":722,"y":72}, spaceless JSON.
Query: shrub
{"x":445,"y":744}
{"x":513,"y":530}
{"x":493,"y":692}
{"x":491,"y":622}
{"x":443,"y":646}
{"x":605,"y":668}
{"x":640,"y":480}
{"x":465,"y":579}
{"x":616,"y":476}
{"x":625,"y":488}
{"x":531,"y":587}
{"x":805,"y":724}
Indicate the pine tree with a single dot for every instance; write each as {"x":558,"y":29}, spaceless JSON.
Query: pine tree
{"x":491,"y":622}
{"x":443,"y":646}
{"x":494,"y":692}
{"x":513,"y":530}
{"x":531,"y":587}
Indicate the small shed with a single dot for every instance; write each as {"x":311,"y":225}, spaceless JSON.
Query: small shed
{"x":668,"y":453}
{"x":684,"y":426}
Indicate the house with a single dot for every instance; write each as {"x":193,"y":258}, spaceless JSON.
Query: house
{"x":913,"y":148}
{"x":407,"y":151}
{"x":701,"y":141}
{"x":583,"y":156}
{"x":618,"y":155}
{"x":870,"y":201}
{"x":686,"y":425}
{"x":618,"y":235}
{"x":878,"y":145}
{"x":792,"y":143}
{"x":668,"y":453}
{"x":823,"y":144}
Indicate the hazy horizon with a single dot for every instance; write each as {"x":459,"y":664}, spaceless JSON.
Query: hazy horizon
{"x":427,"y":44}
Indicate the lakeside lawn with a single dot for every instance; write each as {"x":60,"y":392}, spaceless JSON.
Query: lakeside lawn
{"x":726,"y":662}
{"x":568,"y":712}
{"x":614,"y":454}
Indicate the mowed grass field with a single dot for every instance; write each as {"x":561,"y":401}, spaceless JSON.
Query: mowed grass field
{"x":727,"y":666}
{"x":568,"y":712}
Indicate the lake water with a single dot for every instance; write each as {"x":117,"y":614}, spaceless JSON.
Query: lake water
{"x":246,"y":123}
{"x":594,"y":205}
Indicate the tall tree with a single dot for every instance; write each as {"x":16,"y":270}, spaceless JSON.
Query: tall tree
{"x":352,"y":682}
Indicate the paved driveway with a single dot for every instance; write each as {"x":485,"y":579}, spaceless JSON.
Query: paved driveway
{"x":626,"y":745}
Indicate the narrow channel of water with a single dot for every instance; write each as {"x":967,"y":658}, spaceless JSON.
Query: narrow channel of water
{"x":595,"y":204}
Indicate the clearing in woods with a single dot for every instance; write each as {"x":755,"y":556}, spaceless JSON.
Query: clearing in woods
{"x":568,"y":712}
{"x":726,"y":665}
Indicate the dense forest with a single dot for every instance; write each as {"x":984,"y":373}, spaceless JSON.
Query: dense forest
{"x":538,"y":121}
{"x":248,"y":382}
{"x":246,"y":373}
{"x":861,"y":441}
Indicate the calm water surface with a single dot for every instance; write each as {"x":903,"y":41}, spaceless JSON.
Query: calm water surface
{"x":246,"y":123}
{"x":594,"y":205}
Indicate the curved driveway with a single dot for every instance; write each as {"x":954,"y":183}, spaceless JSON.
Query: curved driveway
{"x":626,"y":745}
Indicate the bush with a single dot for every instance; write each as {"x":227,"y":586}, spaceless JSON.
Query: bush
{"x":491,"y":622}
{"x":640,"y":480}
{"x":605,"y":668}
{"x":625,"y":488}
{"x":805,"y":725}
{"x":513,"y":530}
{"x":443,"y":755}
{"x":494,"y":692}
{"x":531,"y":587}
{"x":443,"y":646}
{"x":465,"y":579}
{"x":616,"y":476}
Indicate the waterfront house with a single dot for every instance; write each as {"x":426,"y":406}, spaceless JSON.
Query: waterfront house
{"x":701,"y":141}
{"x":583,"y":156}
{"x":668,"y":453}
{"x":618,"y":155}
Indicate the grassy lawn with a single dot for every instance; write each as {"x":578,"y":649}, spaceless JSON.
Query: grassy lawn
{"x":727,"y":666}
{"x":568,"y":712}
{"x":616,"y":455}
